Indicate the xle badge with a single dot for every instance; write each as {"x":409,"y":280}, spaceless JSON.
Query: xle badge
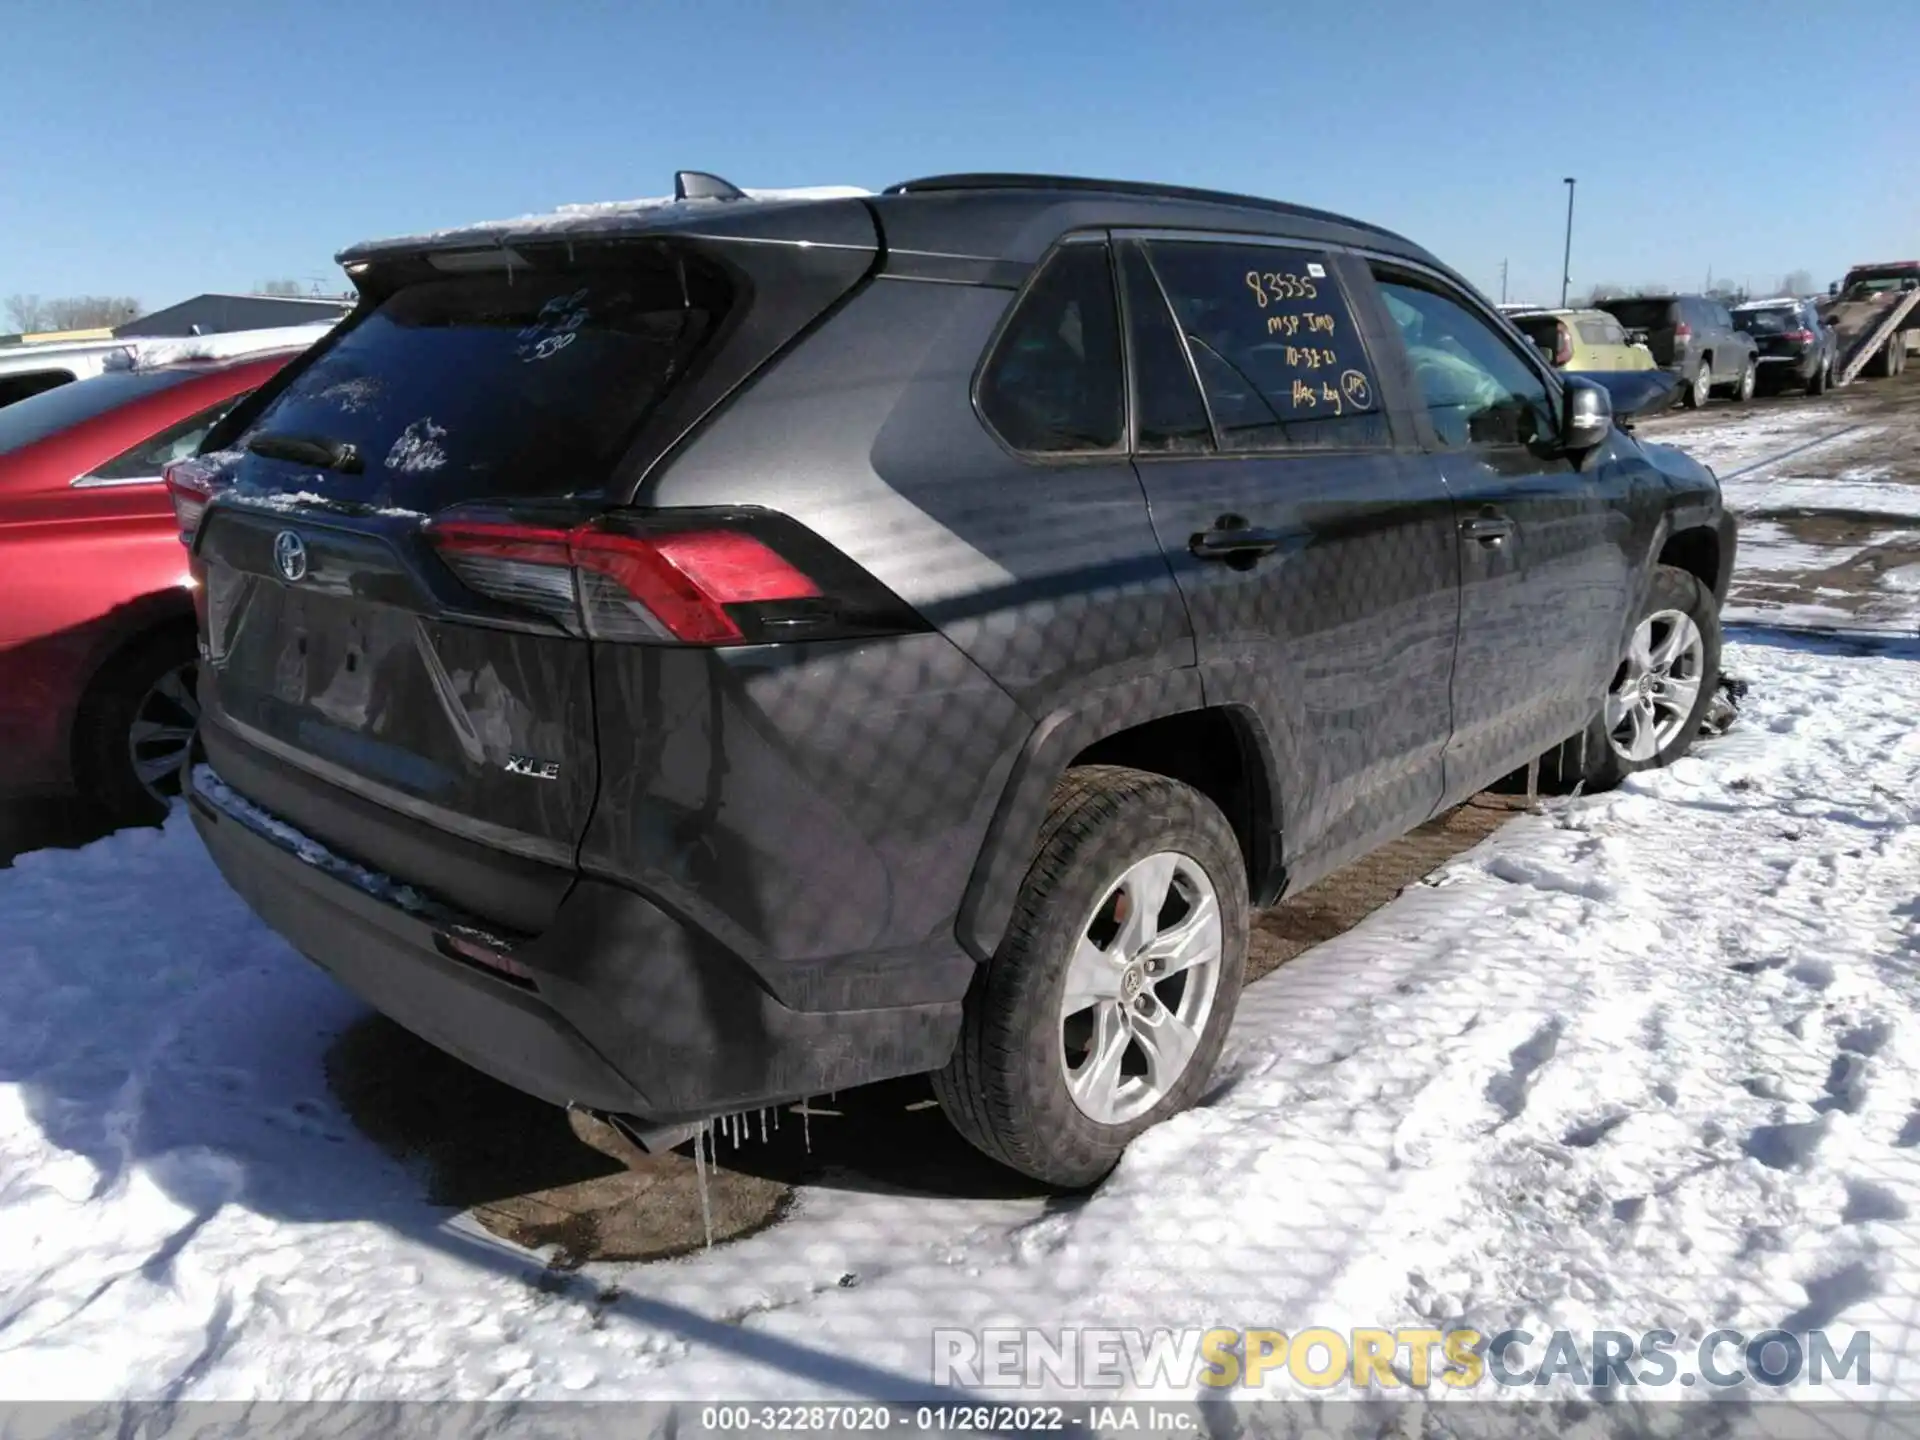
{"x":538,"y":769}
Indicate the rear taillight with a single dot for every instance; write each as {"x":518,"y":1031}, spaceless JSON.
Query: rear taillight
{"x":1804,"y":337}
{"x":676,"y":580}
{"x":1682,"y":332}
{"x":1562,"y":344}
{"x":190,"y":484}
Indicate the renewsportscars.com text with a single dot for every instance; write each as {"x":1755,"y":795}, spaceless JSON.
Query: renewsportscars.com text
{"x":1322,"y":1359}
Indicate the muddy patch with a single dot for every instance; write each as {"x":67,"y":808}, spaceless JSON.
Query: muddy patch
{"x":532,"y":1173}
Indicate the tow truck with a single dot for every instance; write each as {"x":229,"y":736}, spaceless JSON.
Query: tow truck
{"x":1875,"y":317}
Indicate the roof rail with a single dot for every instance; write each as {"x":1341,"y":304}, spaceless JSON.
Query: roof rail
{"x":993,"y":180}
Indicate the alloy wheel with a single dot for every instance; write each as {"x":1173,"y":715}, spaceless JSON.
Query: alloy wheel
{"x":162,"y":732}
{"x":1142,"y":981}
{"x":1702,"y":385}
{"x":1657,"y":685}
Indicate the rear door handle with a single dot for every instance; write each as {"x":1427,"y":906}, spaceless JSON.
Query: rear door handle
{"x":1489,"y":529}
{"x":1231,"y":538}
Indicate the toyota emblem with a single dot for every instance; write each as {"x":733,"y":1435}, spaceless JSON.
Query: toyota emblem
{"x":290,"y":554}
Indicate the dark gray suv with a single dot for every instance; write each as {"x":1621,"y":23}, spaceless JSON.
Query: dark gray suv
{"x":1695,"y":337}
{"x":685,"y":659}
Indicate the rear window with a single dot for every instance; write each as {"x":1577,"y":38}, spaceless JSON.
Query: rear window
{"x":36,"y":418}
{"x":1767,"y":322}
{"x":1640,"y":314}
{"x":1542,"y":330}
{"x":507,"y":383}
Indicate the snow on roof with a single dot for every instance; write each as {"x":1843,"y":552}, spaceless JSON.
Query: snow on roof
{"x":593,"y":214}
{"x":1777,"y":302}
{"x":148,"y":354}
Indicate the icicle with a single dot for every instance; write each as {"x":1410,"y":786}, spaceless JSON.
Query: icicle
{"x":806,"y":1125}
{"x":700,"y":1174}
{"x":763,"y":1125}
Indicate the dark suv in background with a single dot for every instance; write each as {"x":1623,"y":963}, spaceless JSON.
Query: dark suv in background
{"x":1797,"y":348}
{"x":1695,"y":337}
{"x":685,"y":659}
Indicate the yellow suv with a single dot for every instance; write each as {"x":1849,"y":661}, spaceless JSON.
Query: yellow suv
{"x":1582,"y":340}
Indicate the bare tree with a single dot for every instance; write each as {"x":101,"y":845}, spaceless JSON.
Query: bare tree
{"x":281,"y":287}
{"x":26,"y":313}
{"x":1796,"y":283}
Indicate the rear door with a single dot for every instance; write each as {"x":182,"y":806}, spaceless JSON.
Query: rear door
{"x":1656,"y":319}
{"x":353,"y":663}
{"x":1312,"y":539}
{"x":1545,"y":543}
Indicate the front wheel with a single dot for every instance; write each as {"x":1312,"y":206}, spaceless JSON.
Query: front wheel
{"x":1107,"y":1002}
{"x":1659,"y":693}
{"x":1743,"y":390}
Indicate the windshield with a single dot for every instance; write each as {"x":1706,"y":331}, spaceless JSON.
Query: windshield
{"x":1766,"y":322}
{"x":29,"y":421}
{"x":1640,"y":314}
{"x":505,"y":383}
{"x":1879,"y":282}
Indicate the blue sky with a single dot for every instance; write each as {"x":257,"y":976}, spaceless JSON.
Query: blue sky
{"x":162,"y":149}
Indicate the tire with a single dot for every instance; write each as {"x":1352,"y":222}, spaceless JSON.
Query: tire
{"x":1743,"y":390}
{"x":1007,"y":1089}
{"x":149,"y":683}
{"x":1886,"y":365}
{"x":1822,"y":376}
{"x":1695,"y":396}
{"x":1593,"y":759}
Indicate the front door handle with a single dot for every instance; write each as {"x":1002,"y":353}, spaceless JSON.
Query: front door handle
{"x":1232,"y":538}
{"x":1489,"y":527}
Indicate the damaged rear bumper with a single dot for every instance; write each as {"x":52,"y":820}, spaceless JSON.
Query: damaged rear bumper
{"x":615,"y":1007}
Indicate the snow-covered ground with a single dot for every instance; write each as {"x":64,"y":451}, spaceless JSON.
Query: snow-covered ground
{"x":1647,"y":1060}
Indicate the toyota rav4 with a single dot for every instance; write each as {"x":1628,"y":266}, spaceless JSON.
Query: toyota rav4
{"x":685,"y":657}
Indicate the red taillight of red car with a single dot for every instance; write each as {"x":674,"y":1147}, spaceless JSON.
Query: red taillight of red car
{"x":190,"y":484}
{"x":1562,"y":344}
{"x":689,"y":586}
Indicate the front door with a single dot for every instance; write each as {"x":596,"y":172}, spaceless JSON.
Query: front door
{"x":1545,"y":539}
{"x":1312,"y":538}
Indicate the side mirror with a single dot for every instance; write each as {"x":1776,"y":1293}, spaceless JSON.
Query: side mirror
{"x":1586,"y":414}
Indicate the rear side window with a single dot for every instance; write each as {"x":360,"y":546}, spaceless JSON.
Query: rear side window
{"x":1052,"y":385}
{"x":146,"y":460}
{"x":1274,"y":344}
{"x":506,"y":383}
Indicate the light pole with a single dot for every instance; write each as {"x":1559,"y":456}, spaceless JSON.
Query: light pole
{"x":1566,"y":259}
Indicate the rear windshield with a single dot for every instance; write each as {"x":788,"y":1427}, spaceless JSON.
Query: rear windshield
{"x":1640,"y":314}
{"x":1767,"y":322}
{"x":29,"y":421}
{"x":1879,"y":282}
{"x":508,"y":383}
{"x":1542,"y":330}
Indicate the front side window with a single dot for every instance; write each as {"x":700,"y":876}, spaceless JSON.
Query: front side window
{"x":1052,"y":385}
{"x":146,"y":460}
{"x":1476,"y":388}
{"x":1274,"y":344}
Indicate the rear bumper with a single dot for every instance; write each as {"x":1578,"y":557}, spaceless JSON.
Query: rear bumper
{"x":623,"y":1008}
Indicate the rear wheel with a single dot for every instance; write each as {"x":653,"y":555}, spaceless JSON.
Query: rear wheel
{"x":1660,"y":690}
{"x":1107,"y":1002}
{"x":1702,"y":387}
{"x":137,"y":727}
{"x":1822,"y":376}
{"x":1743,"y":390}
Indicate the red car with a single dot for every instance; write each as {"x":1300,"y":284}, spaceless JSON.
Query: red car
{"x":97,"y":648}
